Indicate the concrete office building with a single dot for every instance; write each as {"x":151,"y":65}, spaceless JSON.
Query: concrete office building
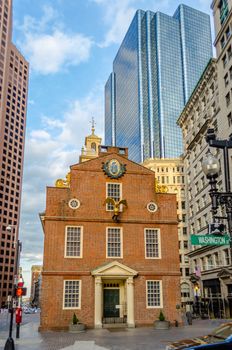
{"x":13,"y":105}
{"x":154,"y":72}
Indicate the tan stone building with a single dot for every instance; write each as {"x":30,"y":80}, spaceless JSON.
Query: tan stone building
{"x":170,"y":175}
{"x":222,"y":13}
{"x":14,"y":72}
{"x":104,"y":261}
{"x":36,"y":271}
{"x":209,"y":265}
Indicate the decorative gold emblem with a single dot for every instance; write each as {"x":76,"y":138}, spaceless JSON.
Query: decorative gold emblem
{"x":63,"y":183}
{"x":160,"y":188}
{"x":116,"y":206}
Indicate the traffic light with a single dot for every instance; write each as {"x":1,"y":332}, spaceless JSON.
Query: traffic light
{"x":20,"y":292}
{"x":216,"y":228}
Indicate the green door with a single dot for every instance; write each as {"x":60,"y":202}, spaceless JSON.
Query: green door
{"x":111,"y":299}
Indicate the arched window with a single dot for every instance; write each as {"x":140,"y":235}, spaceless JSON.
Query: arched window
{"x":93,"y":146}
{"x":185,"y":290}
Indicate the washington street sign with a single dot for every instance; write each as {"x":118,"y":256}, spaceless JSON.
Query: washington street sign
{"x":210,"y":240}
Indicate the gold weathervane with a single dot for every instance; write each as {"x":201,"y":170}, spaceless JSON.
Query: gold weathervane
{"x":160,"y":188}
{"x":115,"y":206}
{"x":63,"y":183}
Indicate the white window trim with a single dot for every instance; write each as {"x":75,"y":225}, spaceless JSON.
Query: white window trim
{"x":159,"y":243}
{"x":65,"y":245}
{"x":121,"y":242}
{"x":77,"y":307}
{"x":116,"y":183}
{"x":161,"y":295}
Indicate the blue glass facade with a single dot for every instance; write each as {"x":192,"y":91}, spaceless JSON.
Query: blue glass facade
{"x":154,"y":72}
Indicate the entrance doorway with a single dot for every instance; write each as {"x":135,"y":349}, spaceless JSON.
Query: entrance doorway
{"x":111,"y":299}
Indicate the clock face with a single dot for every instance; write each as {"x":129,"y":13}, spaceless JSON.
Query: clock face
{"x":114,"y":169}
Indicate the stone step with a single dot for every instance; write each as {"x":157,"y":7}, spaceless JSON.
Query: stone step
{"x":114,"y":325}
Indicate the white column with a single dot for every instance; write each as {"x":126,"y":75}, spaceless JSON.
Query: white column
{"x":130,"y":303}
{"x":98,"y":302}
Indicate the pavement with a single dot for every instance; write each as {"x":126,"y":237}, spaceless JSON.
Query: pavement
{"x":141,"y":338}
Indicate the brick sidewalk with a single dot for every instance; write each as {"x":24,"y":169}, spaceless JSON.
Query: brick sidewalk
{"x":102,"y":339}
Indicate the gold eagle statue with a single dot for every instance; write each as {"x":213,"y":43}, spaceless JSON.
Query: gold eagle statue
{"x":116,"y":205}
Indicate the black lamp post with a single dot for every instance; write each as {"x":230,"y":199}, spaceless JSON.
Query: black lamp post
{"x":211,"y":167}
{"x":18,"y":247}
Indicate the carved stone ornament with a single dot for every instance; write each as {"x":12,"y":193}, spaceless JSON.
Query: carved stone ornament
{"x":114,"y":169}
{"x":63,"y":183}
{"x":74,"y":203}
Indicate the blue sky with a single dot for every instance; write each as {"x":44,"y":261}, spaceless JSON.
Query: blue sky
{"x":70,"y":45}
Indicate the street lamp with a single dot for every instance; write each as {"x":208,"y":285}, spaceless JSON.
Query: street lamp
{"x":18,"y":247}
{"x":210,"y":166}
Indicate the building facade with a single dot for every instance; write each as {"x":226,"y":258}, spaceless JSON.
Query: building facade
{"x":170,"y":175}
{"x":154,"y":72}
{"x":210,"y":265}
{"x":222,"y":12}
{"x":13,"y":106}
{"x":111,"y":246}
{"x":36,"y":280}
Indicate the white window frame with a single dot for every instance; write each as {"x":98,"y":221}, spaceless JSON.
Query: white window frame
{"x":159,"y":243}
{"x":121,"y":242}
{"x":81,"y":245}
{"x":161,"y":295}
{"x":74,"y":307}
{"x":120,"y":197}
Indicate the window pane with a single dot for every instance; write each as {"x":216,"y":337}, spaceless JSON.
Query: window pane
{"x":71,"y":294}
{"x":153,"y":293}
{"x":152,"y":243}
{"x":113,"y":191}
{"x":73,"y":241}
{"x":114,"y":242}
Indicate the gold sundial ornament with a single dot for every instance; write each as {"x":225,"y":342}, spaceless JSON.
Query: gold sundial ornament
{"x":116,"y":206}
{"x":63,"y":183}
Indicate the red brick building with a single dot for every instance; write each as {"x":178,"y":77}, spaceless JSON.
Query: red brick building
{"x":103,"y":264}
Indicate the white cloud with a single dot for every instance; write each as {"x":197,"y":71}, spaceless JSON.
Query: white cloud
{"x":48,"y":154}
{"x":48,"y":48}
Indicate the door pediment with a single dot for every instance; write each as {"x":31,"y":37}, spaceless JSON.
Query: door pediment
{"x":114,"y":269}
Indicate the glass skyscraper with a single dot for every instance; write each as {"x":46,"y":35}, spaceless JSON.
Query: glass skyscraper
{"x":154,"y":73}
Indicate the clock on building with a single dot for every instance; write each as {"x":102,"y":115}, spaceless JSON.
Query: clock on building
{"x":114,"y":169}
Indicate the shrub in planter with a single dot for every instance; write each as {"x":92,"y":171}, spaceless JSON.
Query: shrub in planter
{"x":76,"y":326}
{"x":161,"y":323}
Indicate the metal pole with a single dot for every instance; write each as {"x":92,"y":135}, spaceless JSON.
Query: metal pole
{"x":17,"y":330}
{"x":227,"y":169}
{"x":10,"y":341}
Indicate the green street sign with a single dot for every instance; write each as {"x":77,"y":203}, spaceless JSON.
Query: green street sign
{"x":210,"y":240}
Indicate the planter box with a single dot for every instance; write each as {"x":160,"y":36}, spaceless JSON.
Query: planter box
{"x":161,"y":324}
{"x":76,"y":328}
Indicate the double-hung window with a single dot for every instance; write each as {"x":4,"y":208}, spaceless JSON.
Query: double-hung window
{"x":152,"y":243}
{"x":72,"y":294}
{"x":154,"y":294}
{"x":113,"y":190}
{"x":114,"y":242}
{"x":73,"y":241}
